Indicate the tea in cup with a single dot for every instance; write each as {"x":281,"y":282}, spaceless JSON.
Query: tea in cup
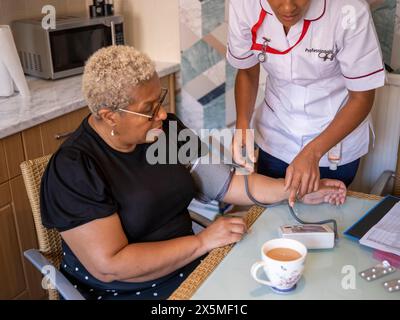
{"x":283,"y":263}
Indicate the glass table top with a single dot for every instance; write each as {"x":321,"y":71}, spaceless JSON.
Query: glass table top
{"x":329,"y":274}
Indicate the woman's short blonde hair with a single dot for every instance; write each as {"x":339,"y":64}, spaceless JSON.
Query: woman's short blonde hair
{"x":111,"y":73}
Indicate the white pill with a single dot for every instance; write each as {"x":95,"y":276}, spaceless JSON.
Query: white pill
{"x":373,"y":276}
{"x":386,"y":284}
{"x":363,"y":274}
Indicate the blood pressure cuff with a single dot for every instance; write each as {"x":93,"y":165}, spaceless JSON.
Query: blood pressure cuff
{"x":211,"y":180}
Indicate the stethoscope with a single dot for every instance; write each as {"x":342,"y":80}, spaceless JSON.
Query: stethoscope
{"x":262,"y":56}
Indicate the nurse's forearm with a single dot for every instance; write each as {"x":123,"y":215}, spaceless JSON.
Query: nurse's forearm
{"x":246,"y":88}
{"x":349,"y":118}
{"x":263,"y":189}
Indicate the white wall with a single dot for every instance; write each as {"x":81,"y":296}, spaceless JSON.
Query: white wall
{"x":152,"y":26}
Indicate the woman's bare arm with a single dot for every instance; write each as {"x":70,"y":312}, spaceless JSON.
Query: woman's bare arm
{"x":102,"y":247}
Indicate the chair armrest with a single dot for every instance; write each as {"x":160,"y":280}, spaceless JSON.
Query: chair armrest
{"x":199,"y":219}
{"x":63,"y":286}
{"x":380,"y":184}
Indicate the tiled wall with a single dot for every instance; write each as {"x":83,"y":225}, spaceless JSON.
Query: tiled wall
{"x":20,"y":9}
{"x":386,"y":14}
{"x":206,"y":77}
{"x":207,"y":93}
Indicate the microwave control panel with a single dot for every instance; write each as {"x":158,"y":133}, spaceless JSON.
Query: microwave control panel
{"x":119,"y":34}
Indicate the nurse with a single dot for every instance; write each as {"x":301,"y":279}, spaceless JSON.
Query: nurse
{"x":323,"y":64}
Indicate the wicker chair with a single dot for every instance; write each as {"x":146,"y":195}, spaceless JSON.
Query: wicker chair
{"x":50,"y":252}
{"x":47,"y":259}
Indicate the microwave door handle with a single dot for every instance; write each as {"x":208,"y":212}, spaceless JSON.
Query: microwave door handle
{"x":113,"y":38}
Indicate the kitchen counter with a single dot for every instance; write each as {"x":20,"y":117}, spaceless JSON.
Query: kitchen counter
{"x":50,"y":99}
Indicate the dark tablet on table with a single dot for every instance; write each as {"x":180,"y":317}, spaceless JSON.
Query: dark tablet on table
{"x":371,"y":218}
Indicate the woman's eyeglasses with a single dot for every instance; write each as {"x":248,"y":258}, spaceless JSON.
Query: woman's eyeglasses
{"x":164,"y":92}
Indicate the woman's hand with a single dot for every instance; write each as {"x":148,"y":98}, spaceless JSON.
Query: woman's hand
{"x":221,"y":232}
{"x":302,"y":175}
{"x":330,"y":191}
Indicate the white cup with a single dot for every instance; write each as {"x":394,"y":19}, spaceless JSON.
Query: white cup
{"x":283,"y":275}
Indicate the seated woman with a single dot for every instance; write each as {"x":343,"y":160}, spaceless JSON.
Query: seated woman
{"x":126,"y":230}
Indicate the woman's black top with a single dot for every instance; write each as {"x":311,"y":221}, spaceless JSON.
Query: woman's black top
{"x":86,"y":179}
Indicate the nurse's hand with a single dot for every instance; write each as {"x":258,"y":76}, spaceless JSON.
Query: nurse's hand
{"x":302,"y":175}
{"x":244,"y":139}
{"x":330,"y":191}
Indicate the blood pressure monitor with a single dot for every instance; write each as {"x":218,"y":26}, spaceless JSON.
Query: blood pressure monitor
{"x":313,"y":236}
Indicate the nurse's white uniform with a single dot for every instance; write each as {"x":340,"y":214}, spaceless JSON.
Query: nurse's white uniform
{"x":333,"y":50}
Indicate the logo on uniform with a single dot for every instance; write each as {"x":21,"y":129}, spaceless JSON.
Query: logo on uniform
{"x":325,"y":55}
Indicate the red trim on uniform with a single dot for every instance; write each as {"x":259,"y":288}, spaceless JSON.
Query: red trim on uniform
{"x":367,"y":75}
{"x":230,"y":52}
{"x":259,"y":47}
{"x":256,"y":27}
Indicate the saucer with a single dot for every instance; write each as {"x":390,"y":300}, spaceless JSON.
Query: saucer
{"x":284,"y":291}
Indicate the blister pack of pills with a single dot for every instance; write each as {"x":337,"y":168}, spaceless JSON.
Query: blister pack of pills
{"x":379,"y":271}
{"x":392,"y":286}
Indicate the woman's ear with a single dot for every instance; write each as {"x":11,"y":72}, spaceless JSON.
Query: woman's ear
{"x":109,"y":117}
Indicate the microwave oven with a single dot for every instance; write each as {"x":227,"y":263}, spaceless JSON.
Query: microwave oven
{"x":63,"y":51}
